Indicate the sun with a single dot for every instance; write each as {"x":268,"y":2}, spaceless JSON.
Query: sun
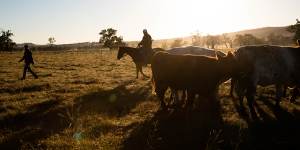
{"x":205,"y":16}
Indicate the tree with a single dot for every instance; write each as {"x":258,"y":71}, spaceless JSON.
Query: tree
{"x":164,"y":45}
{"x":177,"y":43}
{"x":277,"y":39}
{"x":295,"y":29}
{"x":227,"y":41}
{"x":109,"y":38}
{"x":196,"y":39}
{"x":247,"y":39}
{"x":51,"y":40}
{"x":212,"y":41}
{"x":6,"y":43}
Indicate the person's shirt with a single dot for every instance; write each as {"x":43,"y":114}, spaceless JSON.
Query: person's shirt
{"x":27,"y":57}
{"x":146,"y":41}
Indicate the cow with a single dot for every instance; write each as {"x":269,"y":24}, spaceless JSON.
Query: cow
{"x":193,"y":50}
{"x":265,"y":65}
{"x":197,"y":74}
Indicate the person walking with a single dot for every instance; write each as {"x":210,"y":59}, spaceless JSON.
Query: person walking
{"x":27,"y":60}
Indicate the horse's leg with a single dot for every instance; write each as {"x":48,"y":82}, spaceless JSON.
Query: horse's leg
{"x":137,"y":70}
{"x":232,"y":82}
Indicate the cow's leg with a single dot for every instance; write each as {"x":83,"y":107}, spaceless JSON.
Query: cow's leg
{"x":174,"y":96}
{"x":284,"y":90}
{"x":240,"y":91}
{"x":190,"y":98}
{"x":183,"y":97}
{"x":278,"y":93}
{"x":250,"y":94}
{"x":241,"y":98}
{"x":295,"y":93}
{"x":160,"y":90}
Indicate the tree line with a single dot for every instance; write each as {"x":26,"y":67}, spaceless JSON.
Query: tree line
{"x":109,"y":39}
{"x":226,"y":41}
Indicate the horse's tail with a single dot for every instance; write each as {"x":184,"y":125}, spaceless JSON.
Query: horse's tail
{"x":153,"y":85}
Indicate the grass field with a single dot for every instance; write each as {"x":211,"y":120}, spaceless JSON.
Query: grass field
{"x":90,"y":100}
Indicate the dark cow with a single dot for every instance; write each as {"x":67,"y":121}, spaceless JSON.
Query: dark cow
{"x":193,"y":50}
{"x":266,"y":65}
{"x":197,"y":74}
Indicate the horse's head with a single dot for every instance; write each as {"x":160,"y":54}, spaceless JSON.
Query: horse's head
{"x":121,"y":52}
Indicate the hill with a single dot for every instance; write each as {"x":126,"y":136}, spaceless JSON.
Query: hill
{"x":264,"y":32}
{"x":258,"y":32}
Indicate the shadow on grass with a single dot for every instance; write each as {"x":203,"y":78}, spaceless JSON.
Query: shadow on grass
{"x":45,"y":119}
{"x":26,"y":88}
{"x":276,"y":128}
{"x":40,"y":120}
{"x":178,"y":129}
{"x":114,"y":103}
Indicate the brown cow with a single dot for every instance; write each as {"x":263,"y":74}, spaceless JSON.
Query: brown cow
{"x":266,"y":65}
{"x":192,"y":50}
{"x":197,"y":74}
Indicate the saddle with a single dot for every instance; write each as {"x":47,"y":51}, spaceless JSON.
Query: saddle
{"x":145,"y":54}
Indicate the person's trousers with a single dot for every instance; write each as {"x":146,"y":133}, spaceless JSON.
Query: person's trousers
{"x":27,"y":68}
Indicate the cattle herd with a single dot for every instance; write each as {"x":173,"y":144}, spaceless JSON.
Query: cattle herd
{"x":200,"y":71}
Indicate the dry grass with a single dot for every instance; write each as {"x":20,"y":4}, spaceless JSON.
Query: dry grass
{"x":91,"y":100}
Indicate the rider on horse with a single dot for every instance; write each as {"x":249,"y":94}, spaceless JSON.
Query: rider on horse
{"x":146,"y":45}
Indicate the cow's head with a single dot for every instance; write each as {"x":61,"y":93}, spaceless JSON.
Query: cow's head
{"x":228,"y":64}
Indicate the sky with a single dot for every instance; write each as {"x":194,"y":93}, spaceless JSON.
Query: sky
{"x":71,"y":21}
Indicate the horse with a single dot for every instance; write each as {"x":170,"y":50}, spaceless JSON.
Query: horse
{"x":137,"y":57}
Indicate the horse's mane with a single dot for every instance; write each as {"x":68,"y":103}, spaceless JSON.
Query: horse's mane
{"x":127,"y":47}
